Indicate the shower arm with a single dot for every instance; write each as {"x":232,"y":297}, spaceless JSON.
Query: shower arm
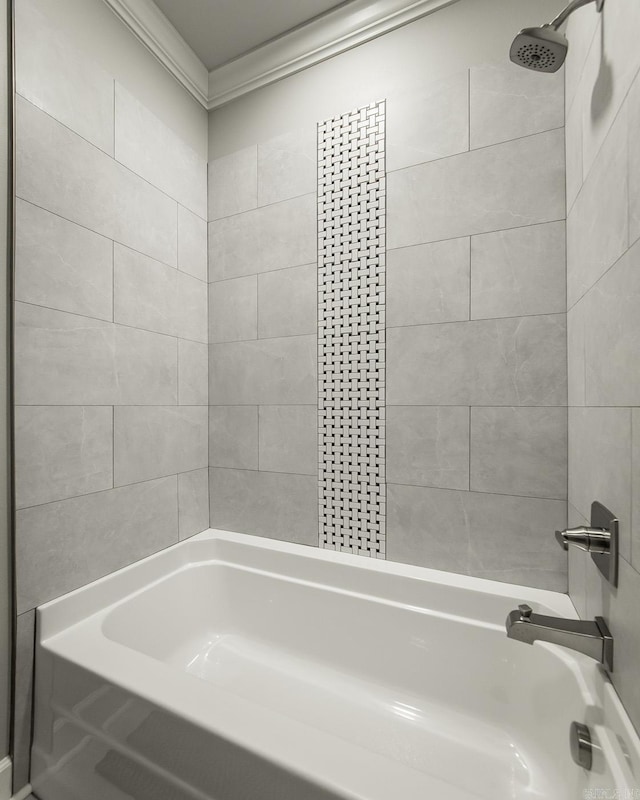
{"x":574,"y":5}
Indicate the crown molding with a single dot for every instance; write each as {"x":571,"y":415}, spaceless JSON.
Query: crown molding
{"x":331,"y":34}
{"x":145,"y":20}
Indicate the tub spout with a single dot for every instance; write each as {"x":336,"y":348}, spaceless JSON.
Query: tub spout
{"x":591,"y":638}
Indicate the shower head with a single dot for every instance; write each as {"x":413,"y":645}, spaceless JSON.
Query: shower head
{"x":543,"y":49}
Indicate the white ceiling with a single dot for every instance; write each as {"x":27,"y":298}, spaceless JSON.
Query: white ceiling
{"x":221,"y":30}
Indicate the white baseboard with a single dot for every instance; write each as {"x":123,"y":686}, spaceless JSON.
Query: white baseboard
{"x":5,"y":779}
{"x":23,"y":793}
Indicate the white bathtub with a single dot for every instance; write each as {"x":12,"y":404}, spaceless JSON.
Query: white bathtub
{"x":235,"y":668}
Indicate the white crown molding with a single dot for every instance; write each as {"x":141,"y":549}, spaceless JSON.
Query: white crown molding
{"x":145,"y":20}
{"x":333,"y":33}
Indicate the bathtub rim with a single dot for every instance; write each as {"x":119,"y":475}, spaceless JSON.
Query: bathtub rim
{"x":63,"y":612}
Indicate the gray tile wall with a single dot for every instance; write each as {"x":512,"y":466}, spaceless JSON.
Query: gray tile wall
{"x":111,"y":334}
{"x":263,"y":446}
{"x":603,"y":188}
{"x":476,"y":327}
{"x":476,"y":339}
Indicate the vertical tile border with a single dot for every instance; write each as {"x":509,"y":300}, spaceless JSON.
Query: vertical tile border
{"x":351,"y":331}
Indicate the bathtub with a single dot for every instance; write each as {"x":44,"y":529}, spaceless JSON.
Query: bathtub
{"x":230,"y":667}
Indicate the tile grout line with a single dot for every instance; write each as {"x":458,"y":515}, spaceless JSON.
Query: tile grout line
{"x":108,"y":155}
{"x":479,"y":234}
{"x":110,"y":238}
{"x":123,"y":324}
{"x":468,"y":152}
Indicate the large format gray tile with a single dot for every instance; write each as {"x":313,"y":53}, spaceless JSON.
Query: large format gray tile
{"x":597,"y":225}
{"x":273,"y":237}
{"x":288,"y":302}
{"x":233,"y":437}
{"x":623,"y":620}
{"x":428,"y":446}
{"x":619,"y":608}
{"x":63,"y":359}
{"x":428,"y":283}
{"x":193,"y":378}
{"x":265,"y":504}
{"x":144,"y":292}
{"x":633,"y":123}
{"x":517,"y":361}
{"x":505,"y":186}
{"x":153,"y":296}
{"x":430,"y":123}
{"x":233,"y":183}
{"x":64,"y":545}
{"x":519,"y":272}
{"x":508,"y":102}
{"x":264,"y":372}
{"x":287,"y":166}
{"x":155,"y":152}
{"x":635,"y":488}
{"x":577,"y":573}
{"x":610,"y":67}
{"x":519,"y":451}
{"x":59,"y":171}
{"x":191,"y":308}
{"x":612,"y":335}
{"x":23,"y":698}
{"x":53,"y":75}
{"x":580,"y":30}
{"x":61,"y":265}
{"x":62,"y":452}
{"x":233,"y":310}
{"x":288,"y":439}
{"x":192,"y":244}
{"x":153,"y":441}
{"x":193,"y":502}
{"x":600,"y":464}
{"x":486,"y":535}
{"x":576,"y":364}
{"x":573,"y":152}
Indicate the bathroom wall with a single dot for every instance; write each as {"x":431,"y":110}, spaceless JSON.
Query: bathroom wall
{"x":110,"y":313}
{"x":603,"y":298}
{"x":476,"y":353}
{"x":6,"y":610}
{"x":263,"y":449}
{"x":476,"y":422}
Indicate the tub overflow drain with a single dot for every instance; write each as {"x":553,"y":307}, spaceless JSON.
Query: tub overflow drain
{"x":581,"y":746}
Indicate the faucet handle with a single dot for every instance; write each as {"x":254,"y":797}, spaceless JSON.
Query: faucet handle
{"x":593,"y":540}
{"x":525,"y":611}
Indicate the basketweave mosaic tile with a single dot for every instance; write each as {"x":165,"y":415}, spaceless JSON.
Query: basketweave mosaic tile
{"x":351,"y":331}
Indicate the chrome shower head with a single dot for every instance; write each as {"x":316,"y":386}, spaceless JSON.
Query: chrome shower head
{"x":543,"y":49}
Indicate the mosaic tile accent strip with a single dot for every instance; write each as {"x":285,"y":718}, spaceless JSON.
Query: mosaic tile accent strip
{"x":351,"y":331}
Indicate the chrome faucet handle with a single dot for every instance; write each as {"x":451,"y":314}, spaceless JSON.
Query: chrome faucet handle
{"x":592,"y":540}
{"x":600,"y":540}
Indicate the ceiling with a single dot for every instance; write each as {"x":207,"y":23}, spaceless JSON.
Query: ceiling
{"x":221,"y":30}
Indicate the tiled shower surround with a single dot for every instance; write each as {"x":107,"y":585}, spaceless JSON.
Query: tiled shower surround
{"x":603,"y":271}
{"x":475,"y":362}
{"x":110,"y":332}
{"x":124,"y":378}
